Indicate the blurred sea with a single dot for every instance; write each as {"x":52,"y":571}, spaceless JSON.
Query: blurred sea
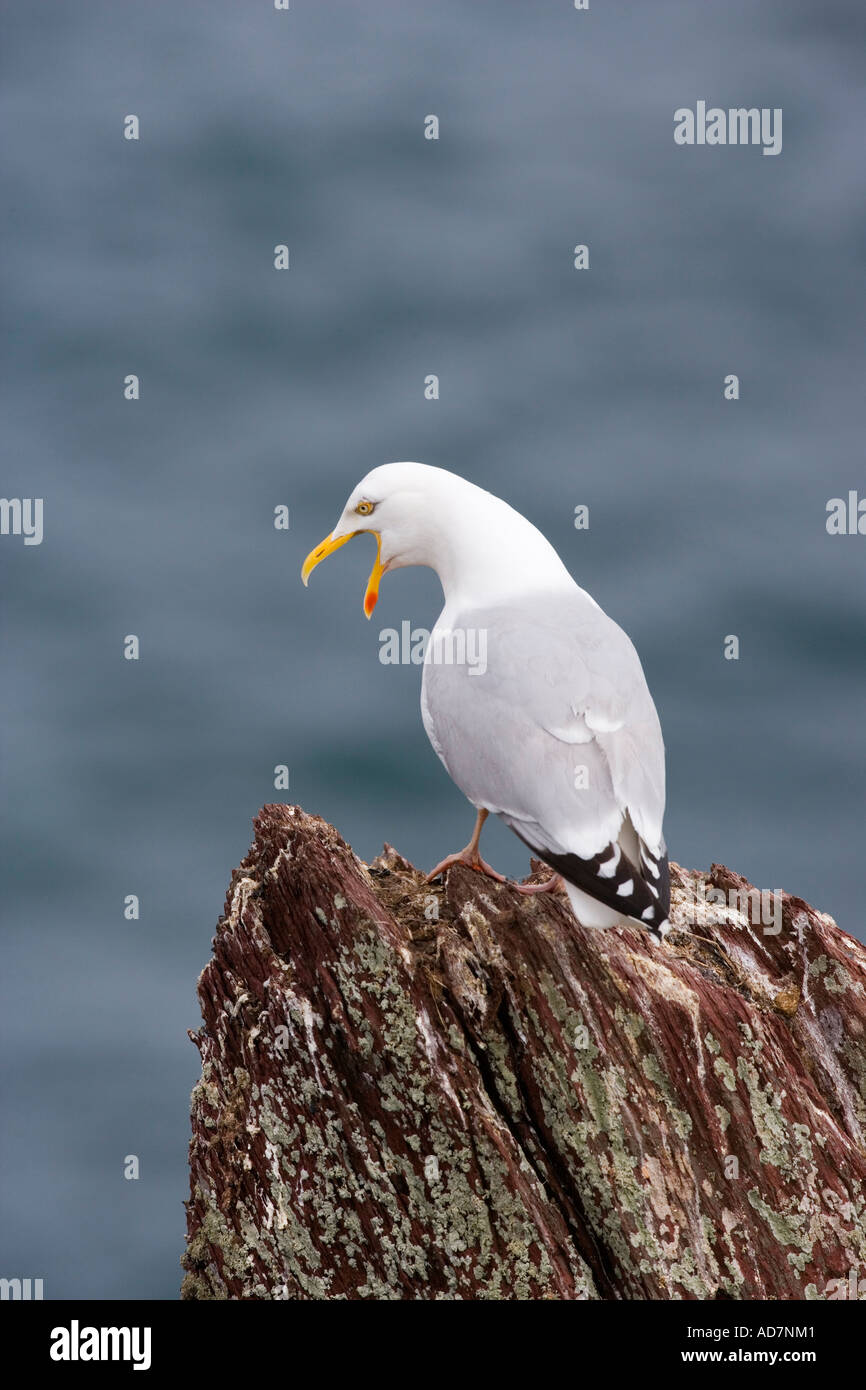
{"x":408,"y":257}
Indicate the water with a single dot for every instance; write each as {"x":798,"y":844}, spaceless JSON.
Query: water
{"x":259,"y":388}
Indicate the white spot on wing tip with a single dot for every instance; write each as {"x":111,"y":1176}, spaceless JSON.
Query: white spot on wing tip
{"x":649,"y":862}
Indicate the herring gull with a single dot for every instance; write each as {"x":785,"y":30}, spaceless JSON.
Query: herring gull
{"x":555,"y":731}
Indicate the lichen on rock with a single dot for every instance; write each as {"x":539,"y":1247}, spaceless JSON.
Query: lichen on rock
{"x":456,"y":1093}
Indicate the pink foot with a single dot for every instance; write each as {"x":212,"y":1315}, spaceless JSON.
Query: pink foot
{"x":550,"y":885}
{"x":471,"y":860}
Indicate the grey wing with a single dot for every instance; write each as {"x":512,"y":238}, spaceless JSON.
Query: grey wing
{"x":558,"y":735}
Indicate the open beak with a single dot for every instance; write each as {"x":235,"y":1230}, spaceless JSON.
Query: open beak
{"x":332,"y":543}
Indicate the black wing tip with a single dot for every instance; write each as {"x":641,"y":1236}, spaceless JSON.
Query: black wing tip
{"x":647,"y":898}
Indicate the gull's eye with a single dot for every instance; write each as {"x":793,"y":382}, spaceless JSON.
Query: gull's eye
{"x":364,"y":508}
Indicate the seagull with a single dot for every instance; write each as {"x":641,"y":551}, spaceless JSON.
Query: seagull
{"x":555,"y":731}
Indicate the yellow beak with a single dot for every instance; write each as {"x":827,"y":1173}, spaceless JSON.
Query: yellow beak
{"x":328,"y":546}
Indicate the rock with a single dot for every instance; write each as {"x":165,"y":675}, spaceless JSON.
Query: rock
{"x":460,"y":1093}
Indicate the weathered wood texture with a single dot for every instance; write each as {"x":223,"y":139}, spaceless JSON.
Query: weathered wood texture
{"x":410,"y":1092}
